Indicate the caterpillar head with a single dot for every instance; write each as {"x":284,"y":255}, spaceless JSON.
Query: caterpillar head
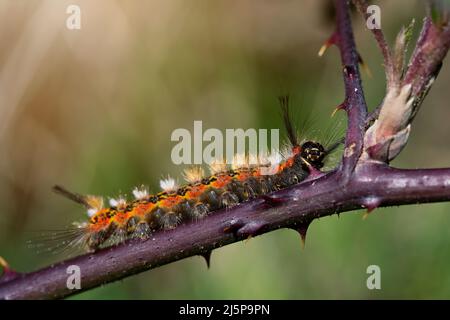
{"x":313,"y":153}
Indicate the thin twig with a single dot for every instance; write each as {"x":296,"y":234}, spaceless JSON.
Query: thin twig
{"x":380,"y":39}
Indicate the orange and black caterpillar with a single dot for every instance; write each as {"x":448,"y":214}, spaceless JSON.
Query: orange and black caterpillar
{"x":202,"y":195}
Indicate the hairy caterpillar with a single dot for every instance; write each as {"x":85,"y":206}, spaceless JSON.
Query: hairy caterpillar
{"x":226,"y":186}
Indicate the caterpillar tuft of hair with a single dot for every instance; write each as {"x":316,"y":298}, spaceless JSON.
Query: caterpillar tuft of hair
{"x":226,"y":186}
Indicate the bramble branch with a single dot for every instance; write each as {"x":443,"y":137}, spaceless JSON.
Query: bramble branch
{"x":363,"y":180}
{"x":354,"y":103}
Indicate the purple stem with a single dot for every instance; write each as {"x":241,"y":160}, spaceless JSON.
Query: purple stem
{"x":371,"y":185}
{"x":355,"y":104}
{"x":366,"y":185}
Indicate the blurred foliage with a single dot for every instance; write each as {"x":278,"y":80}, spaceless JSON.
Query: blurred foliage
{"x":93,"y":109}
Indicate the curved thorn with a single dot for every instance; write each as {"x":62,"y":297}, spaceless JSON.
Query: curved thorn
{"x":313,"y":172}
{"x":8,"y":273}
{"x":370,"y":203}
{"x":303,"y":237}
{"x":331,"y":40}
{"x":302,"y":229}
{"x":5,"y":266}
{"x":207,"y":256}
{"x":340,"y":107}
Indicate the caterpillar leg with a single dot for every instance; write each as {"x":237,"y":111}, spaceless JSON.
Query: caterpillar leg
{"x":212,"y":198}
{"x":132,"y":223}
{"x":142,"y":230}
{"x":170,"y":220}
{"x":200,"y":210}
{"x":229,"y":199}
{"x":194,"y":210}
{"x":250,"y":189}
{"x":97,"y":238}
{"x":119,"y":235}
{"x":153,"y":218}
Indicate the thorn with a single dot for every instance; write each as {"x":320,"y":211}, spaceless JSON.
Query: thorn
{"x":302,"y":230}
{"x":370,"y":203}
{"x":8,"y":273}
{"x":370,"y":209}
{"x":313,"y":172}
{"x":364,"y":66}
{"x":5,"y":266}
{"x":339,"y":108}
{"x":207,"y":256}
{"x":331,"y":40}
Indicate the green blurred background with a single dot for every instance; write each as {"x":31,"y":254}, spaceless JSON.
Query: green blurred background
{"x":93,"y":109}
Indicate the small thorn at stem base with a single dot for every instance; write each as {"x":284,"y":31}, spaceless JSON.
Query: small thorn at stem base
{"x":338,"y":108}
{"x":4,"y":265}
{"x":313,"y":172}
{"x":207,"y":257}
{"x":370,"y":203}
{"x":331,"y":40}
{"x":8,"y":273}
{"x":302,"y":229}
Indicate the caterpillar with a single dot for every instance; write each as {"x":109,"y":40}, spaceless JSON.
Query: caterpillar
{"x":226,"y":186}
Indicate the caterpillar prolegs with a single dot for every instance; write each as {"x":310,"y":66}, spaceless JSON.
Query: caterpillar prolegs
{"x":227,"y":185}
